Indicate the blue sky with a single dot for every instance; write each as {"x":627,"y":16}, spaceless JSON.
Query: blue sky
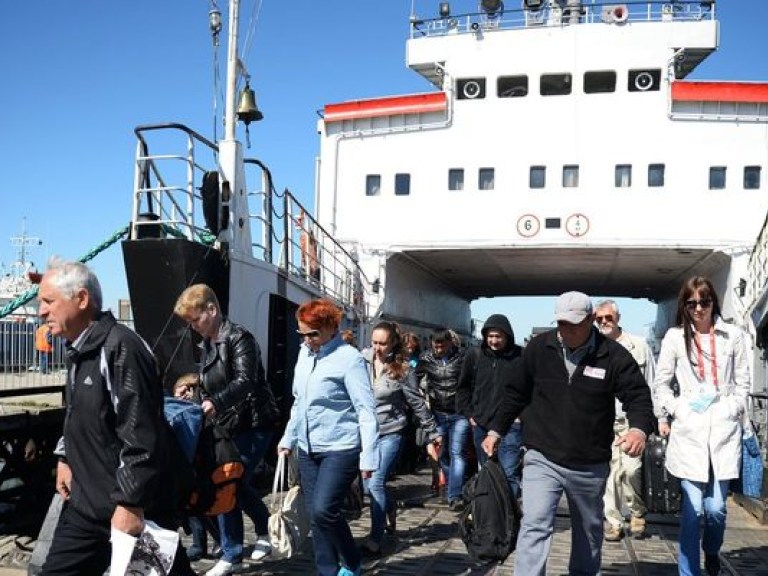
{"x":79,"y":76}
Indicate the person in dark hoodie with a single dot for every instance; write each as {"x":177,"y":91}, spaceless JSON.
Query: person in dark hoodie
{"x":484,"y":374}
{"x":567,"y":382}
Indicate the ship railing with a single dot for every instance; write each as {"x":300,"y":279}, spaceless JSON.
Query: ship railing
{"x":167,"y":201}
{"x":756,"y":287}
{"x":591,"y":12}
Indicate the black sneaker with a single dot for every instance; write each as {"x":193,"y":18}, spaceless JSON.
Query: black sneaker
{"x":712,"y":564}
{"x":456,"y":505}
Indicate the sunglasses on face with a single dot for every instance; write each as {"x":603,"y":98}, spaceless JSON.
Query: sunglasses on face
{"x":605,"y":318}
{"x":308,"y":333}
{"x":704,"y":303}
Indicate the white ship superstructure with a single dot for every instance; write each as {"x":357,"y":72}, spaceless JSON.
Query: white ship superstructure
{"x":561,"y":147}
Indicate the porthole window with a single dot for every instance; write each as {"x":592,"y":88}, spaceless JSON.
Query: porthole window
{"x":570,"y":176}
{"x":623,"y":176}
{"x":512,"y":86}
{"x":599,"y":81}
{"x":402,"y":184}
{"x":373,"y":184}
{"x":537,"y":177}
{"x":555,"y":84}
{"x":485,"y":179}
{"x":456,"y":179}
{"x":751,"y":177}
{"x":716,"y":177}
{"x":655,"y":175}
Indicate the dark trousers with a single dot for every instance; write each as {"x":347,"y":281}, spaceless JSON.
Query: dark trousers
{"x":325,"y":480}
{"x":81,"y":547}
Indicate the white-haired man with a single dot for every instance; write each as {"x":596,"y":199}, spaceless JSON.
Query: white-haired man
{"x":625,"y":481}
{"x":113,"y":468}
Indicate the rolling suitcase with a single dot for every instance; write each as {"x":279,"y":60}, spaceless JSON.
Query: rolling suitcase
{"x":661,"y":490}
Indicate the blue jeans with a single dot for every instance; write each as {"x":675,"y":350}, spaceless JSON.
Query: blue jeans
{"x":325,"y":480}
{"x":381,"y":502}
{"x":454,"y":428}
{"x":543,"y":484}
{"x":252,"y":445}
{"x":508,"y":453}
{"x":709,"y":498}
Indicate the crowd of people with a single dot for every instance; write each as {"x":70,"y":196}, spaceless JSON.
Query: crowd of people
{"x":568,"y":414}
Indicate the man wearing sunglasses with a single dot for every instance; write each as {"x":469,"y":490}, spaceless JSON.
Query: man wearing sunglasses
{"x":567,"y":383}
{"x":625,"y":478}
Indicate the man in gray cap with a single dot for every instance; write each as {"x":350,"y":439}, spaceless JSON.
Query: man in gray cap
{"x":567,"y":383}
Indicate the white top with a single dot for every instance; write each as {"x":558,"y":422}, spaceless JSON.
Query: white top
{"x":711,"y":434}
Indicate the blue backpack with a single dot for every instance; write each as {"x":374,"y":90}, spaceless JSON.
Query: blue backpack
{"x":186,"y":420}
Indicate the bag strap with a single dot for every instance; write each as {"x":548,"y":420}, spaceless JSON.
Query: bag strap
{"x":277,"y":483}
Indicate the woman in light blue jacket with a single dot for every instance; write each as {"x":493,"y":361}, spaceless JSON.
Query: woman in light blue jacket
{"x":333,"y":430}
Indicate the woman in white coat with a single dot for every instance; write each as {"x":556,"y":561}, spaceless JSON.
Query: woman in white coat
{"x":708,"y":357}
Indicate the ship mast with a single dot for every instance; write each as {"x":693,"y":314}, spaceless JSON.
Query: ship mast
{"x":234,"y":197}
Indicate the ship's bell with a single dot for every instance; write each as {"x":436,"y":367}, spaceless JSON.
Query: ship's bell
{"x":247,"y":111}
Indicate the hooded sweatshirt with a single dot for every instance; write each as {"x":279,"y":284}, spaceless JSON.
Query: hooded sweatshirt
{"x":485,"y":373}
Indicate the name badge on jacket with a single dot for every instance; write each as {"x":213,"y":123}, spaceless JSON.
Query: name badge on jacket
{"x":593,"y":372}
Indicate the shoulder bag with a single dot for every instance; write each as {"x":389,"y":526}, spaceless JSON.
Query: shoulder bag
{"x":288,"y":523}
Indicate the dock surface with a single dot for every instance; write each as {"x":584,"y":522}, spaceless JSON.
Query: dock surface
{"x":426,"y":544}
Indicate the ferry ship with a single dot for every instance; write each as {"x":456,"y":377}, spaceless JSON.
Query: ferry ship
{"x":560,"y":147}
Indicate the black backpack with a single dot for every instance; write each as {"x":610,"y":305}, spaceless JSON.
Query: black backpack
{"x":489,"y":524}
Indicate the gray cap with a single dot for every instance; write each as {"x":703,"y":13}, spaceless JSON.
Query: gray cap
{"x":572,"y":307}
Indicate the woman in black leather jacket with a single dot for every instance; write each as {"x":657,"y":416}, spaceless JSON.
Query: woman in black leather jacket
{"x":233,"y":388}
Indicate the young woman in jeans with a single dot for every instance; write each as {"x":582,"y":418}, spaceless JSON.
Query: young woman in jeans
{"x":395,"y":388}
{"x":332,"y":428}
{"x":709,"y":359}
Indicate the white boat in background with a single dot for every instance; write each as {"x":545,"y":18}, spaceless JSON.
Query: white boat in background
{"x":15,"y":281}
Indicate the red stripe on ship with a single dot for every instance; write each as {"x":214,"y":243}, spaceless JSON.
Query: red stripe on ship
{"x":391,"y":106}
{"x":720,"y":92}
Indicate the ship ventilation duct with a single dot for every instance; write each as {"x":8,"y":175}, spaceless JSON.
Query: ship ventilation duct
{"x":617,"y":14}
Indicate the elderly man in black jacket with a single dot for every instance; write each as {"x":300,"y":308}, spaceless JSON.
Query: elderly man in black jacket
{"x":484,"y":374}
{"x":113,"y":469}
{"x":567,"y":382}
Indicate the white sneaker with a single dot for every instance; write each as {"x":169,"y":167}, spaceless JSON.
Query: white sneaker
{"x":222,"y":568}
{"x":261,"y":549}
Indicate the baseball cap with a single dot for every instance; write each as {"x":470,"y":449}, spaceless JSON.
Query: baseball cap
{"x":572,"y":307}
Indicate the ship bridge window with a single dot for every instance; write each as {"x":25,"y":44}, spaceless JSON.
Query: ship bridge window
{"x":716,"y":177}
{"x":599,"y":81}
{"x":555,"y":84}
{"x":456,"y":179}
{"x":644,"y":80}
{"x":470,"y":88}
{"x":486,"y":178}
{"x":751,"y":177}
{"x":537,"y":177}
{"x":373,"y":184}
{"x":623,"y":176}
{"x":655,"y":175}
{"x":402,"y":184}
{"x":571,"y":176}
{"x":512,"y":86}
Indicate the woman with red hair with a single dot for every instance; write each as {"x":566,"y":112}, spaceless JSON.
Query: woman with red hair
{"x":333,"y":431}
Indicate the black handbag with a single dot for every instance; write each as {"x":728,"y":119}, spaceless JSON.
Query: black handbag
{"x":236,"y":419}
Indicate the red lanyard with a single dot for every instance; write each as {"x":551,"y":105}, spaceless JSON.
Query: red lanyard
{"x":700,"y":355}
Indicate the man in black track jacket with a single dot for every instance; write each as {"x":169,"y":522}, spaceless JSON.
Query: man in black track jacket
{"x":113,"y":469}
{"x":484,"y":375}
{"x":567,"y":382}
